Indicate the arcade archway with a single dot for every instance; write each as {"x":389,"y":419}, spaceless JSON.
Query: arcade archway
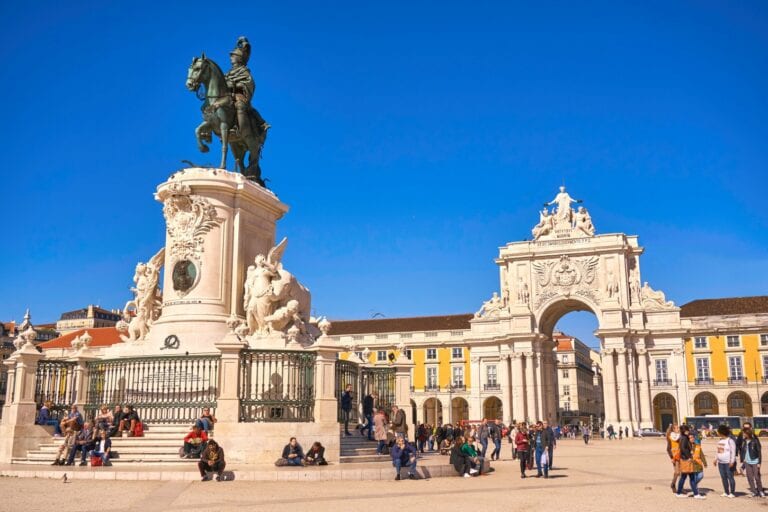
{"x":739,"y":404}
{"x":492,"y":408}
{"x":433,"y":411}
{"x":664,"y":411}
{"x":705,"y":403}
{"x":459,"y":410}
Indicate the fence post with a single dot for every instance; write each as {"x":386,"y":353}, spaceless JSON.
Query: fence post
{"x":82,"y":358}
{"x":10,"y":363}
{"x":228,"y":399}
{"x":403,"y":367}
{"x":325,"y":376}
{"x":18,"y":431}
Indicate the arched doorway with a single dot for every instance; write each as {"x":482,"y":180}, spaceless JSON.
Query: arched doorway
{"x":414,"y":409}
{"x":739,"y":404}
{"x":764,"y":403}
{"x":705,"y":403}
{"x":459,"y":410}
{"x":492,"y":409}
{"x":433,"y":412}
{"x":664,"y":411}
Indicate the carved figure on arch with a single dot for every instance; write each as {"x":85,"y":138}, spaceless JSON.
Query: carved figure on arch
{"x":611,"y":284}
{"x":491,"y":307}
{"x":654,"y":299}
{"x":523,"y":294}
{"x":583,"y":222}
{"x":545,"y":226}
{"x":563,"y":200}
{"x":286,"y":317}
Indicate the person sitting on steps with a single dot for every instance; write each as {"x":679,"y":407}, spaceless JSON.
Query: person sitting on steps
{"x":293,"y":453}
{"x":128,"y":421}
{"x":84,"y":442}
{"x":206,"y":420}
{"x":194,"y":443}
{"x":316,"y":455}
{"x":66,"y":447}
{"x":212,"y":459}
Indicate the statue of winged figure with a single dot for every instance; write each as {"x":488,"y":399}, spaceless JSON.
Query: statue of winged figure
{"x":147,"y":298}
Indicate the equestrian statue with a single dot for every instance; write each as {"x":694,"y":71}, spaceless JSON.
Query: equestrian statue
{"x":227,"y":109}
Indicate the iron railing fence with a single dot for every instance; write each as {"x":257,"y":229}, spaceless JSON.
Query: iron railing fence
{"x":56,"y":382}
{"x":347,"y":372}
{"x":381,"y":381}
{"x":276,"y":386}
{"x":162,"y":389}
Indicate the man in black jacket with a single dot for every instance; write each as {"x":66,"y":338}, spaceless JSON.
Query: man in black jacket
{"x":549,"y":441}
{"x":368,"y":413}
{"x":346,"y":407}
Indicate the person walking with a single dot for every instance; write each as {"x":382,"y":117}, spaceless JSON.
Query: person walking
{"x":687,"y":469}
{"x":346,"y":407}
{"x":540,"y":447}
{"x":368,"y":413}
{"x":399,"y":425}
{"x":751,"y":454}
{"x":380,"y":431}
{"x":551,"y":443}
{"x":496,"y":435}
{"x":522,"y":448}
{"x":699,"y":460}
{"x":483,"y":433}
{"x":726,"y":461}
{"x":585,"y":433}
{"x":673,"y":450}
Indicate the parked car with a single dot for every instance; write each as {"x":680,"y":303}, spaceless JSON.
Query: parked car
{"x":648,"y":432}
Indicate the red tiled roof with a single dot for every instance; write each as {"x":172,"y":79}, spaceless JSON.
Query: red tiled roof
{"x":417,"y":323}
{"x":102,"y":337}
{"x":564,"y":342}
{"x":726,"y":306}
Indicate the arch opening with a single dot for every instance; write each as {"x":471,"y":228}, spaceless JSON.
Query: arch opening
{"x":459,"y":410}
{"x":705,"y":403}
{"x":664,"y":411}
{"x":493,"y":408}
{"x":433,"y":411}
{"x":739,"y":404}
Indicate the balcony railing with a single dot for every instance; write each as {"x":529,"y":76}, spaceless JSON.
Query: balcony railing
{"x":431,"y":387}
{"x":662,"y":382}
{"x":491,"y":387}
{"x":704,"y":381}
{"x":456,"y":387}
{"x":737,"y":380}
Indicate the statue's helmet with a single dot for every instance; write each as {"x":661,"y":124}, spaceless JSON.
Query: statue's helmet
{"x":238,"y":52}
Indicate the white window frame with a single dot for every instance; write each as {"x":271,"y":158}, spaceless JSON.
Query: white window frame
{"x":381,"y":355}
{"x":764,"y":360}
{"x":457,"y":371}
{"x":696,"y":341}
{"x":728,"y":339}
{"x":431,"y":354}
{"x":566,"y":390}
{"x":763,"y":340}
{"x":699,"y":373}
{"x":740,"y":367}
{"x":565,"y":358}
{"x":494,"y":374}
{"x":433,"y":371}
{"x":455,"y":350}
{"x":565,"y":373}
{"x":661,"y":364}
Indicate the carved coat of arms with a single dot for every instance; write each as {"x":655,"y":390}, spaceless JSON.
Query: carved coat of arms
{"x":562,"y":275}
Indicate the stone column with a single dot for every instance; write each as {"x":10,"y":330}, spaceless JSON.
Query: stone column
{"x":532,"y":400}
{"x":403,"y":367}
{"x":228,"y":399}
{"x":518,"y":388}
{"x":548,"y":387}
{"x":18,"y":432}
{"x":474,"y":387}
{"x":506,"y":395}
{"x":643,"y":373}
{"x":622,"y":385}
{"x":10,"y":363}
{"x":609,"y":388}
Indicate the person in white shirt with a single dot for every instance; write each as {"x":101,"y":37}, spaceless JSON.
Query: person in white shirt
{"x":726,"y":461}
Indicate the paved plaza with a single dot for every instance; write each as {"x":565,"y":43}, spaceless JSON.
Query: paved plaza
{"x":606,"y":475}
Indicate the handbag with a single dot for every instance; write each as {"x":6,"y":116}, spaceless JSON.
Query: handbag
{"x":281,"y":462}
{"x":686,"y":466}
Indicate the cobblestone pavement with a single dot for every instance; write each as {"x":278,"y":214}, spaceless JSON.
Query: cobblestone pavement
{"x":604,"y":476}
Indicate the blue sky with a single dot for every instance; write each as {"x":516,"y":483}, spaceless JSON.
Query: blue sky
{"x":410,"y":141}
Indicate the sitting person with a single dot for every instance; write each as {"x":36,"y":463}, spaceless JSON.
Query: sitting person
{"x":316,"y":455}
{"x":475,"y":461}
{"x":44,"y":418}
{"x":212,"y":459}
{"x":128,"y":421}
{"x":460,"y":461}
{"x":445,"y":446}
{"x":206,"y":420}
{"x":104,"y":419}
{"x":84,"y":442}
{"x":74,"y":420}
{"x":293,"y":453}
{"x":403,"y":454}
{"x":65,"y":448}
{"x":102,"y":447}
{"x":117,"y":416}
{"x":194,"y":443}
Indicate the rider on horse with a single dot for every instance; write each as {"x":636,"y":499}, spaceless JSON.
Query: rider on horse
{"x":241,"y":84}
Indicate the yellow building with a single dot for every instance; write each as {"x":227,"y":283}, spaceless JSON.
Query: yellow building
{"x":726,"y":362}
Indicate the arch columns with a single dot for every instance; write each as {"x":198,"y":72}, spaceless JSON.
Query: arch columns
{"x":506,"y":396}
{"x":622,"y":386}
{"x":609,"y":388}
{"x":518,"y":388}
{"x":644,"y":377}
{"x":531,"y":398}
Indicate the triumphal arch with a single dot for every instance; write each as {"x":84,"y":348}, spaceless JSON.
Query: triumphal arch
{"x":567,"y":267}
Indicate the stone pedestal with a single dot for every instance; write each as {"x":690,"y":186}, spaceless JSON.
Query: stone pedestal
{"x":403,"y":367}
{"x":217,"y":222}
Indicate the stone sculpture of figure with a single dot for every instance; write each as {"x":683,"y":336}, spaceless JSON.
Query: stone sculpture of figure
{"x":268,"y":288}
{"x":563,"y":200}
{"x":611,"y":284}
{"x":634,"y":286}
{"x":583,"y":222}
{"x":147,"y":299}
{"x":241,"y":83}
{"x":654,"y":299}
{"x":286,"y":317}
{"x":493,"y":305}
{"x":522,"y":291}
{"x":545,"y":225}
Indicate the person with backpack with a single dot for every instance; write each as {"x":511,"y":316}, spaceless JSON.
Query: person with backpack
{"x":687,"y":467}
{"x":751,"y":454}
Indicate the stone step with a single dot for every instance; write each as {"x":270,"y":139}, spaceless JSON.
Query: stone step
{"x":357,"y":459}
{"x":358,"y":451}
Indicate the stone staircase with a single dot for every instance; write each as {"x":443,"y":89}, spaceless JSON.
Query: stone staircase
{"x":357,"y":449}
{"x":160,"y":446}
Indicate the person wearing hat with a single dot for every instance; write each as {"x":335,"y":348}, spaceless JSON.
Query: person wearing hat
{"x":241,"y":84}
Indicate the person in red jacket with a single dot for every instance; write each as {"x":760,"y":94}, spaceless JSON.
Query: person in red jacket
{"x":194,"y":443}
{"x":522,"y":448}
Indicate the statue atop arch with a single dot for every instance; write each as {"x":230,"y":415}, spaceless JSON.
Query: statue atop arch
{"x":563,"y":221}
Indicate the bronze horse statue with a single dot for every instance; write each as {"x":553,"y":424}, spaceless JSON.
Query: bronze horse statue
{"x":219,"y":117}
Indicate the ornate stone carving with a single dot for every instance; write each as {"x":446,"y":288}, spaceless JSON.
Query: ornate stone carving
{"x":145,"y":308}
{"x":653,"y":299}
{"x":188,"y":218}
{"x":621,"y":351}
{"x":492,"y":308}
{"x":523,"y":293}
{"x":566,"y":273}
{"x":563,"y":221}
{"x":82,"y":342}
{"x":25,"y":337}
{"x":274,"y":300}
{"x":611,"y":287}
{"x":324,"y":325}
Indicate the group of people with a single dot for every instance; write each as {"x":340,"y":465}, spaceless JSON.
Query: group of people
{"x":735,"y":455}
{"x":293,"y":455}
{"x":443,"y":437}
{"x":92,"y":437}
